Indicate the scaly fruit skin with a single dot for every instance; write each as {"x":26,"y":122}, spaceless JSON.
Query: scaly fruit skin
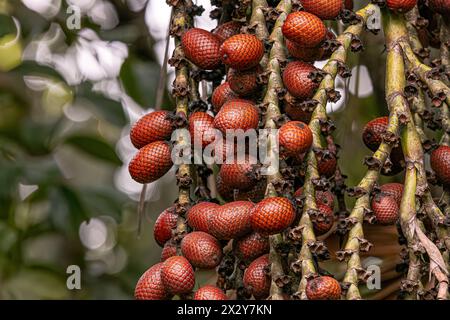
{"x":372,"y":132}
{"x":326,"y":166}
{"x":201,"y":128}
{"x":209,"y":292}
{"x":394,"y":190}
{"x":324,"y":9}
{"x":231,"y":221}
{"x":169,"y":250}
{"x":241,"y":176}
{"x":150,"y":285}
{"x":256,"y":280}
{"x":151,"y":162}
{"x":237,"y":114}
{"x":242,"y":51}
{"x":440,"y":163}
{"x":152,"y":127}
{"x":295,"y":137}
{"x":322,"y":197}
{"x":272,"y":215}
{"x":177,"y":275}
{"x":227,"y":30}
{"x":401,"y":6}
{"x":304,"y":28}
{"x":440,"y":6}
{"x":385,"y":208}
{"x":323,"y":223}
{"x":222,"y":94}
{"x":302,"y":53}
{"x":201,"y":249}
{"x":323,"y":288}
{"x":166,"y":221}
{"x":251,"y":246}
{"x":202,"y":48}
{"x":295,"y":78}
{"x":244,"y":83}
{"x":198,"y":215}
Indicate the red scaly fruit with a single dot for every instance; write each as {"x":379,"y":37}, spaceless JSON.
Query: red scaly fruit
{"x":150,"y":286}
{"x":209,"y":292}
{"x":401,"y":6}
{"x":373,"y":131}
{"x":326,"y":166}
{"x":323,"y":288}
{"x":324,"y":9}
{"x":324,"y":220}
{"x":256,"y":279}
{"x":241,"y":176}
{"x":304,"y":28}
{"x":237,"y":114}
{"x":440,"y":163}
{"x":201,"y":249}
{"x":394,"y":190}
{"x":348,"y":4}
{"x":385,"y":209}
{"x":166,"y":221}
{"x":302,"y":53}
{"x":177,"y":275}
{"x":440,"y":6}
{"x":295,"y":78}
{"x":169,"y":250}
{"x":295,"y":137}
{"x":222,"y":94}
{"x":272,"y":215}
{"x":198,"y":215}
{"x":202,"y":48}
{"x":322,"y":197}
{"x":155,"y":126}
{"x":151,"y":162}
{"x":251,"y":246}
{"x":227,"y":30}
{"x":297,"y":114}
{"x":244,"y":83}
{"x":242,"y":51}
{"x":254,"y":194}
{"x":232,"y":220}
{"x":201,"y":127}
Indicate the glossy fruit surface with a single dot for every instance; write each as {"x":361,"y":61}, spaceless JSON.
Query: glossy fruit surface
{"x":201,"y":128}
{"x":295,"y":137}
{"x":209,"y":292}
{"x":222,"y":94}
{"x":295,"y":78}
{"x":326,"y":165}
{"x":394,"y":190}
{"x":237,"y":114}
{"x":304,"y":28}
{"x":238,"y":175}
{"x":231,"y":221}
{"x":228,"y":29}
{"x":177,"y":275}
{"x":385,"y":208}
{"x":198,"y":215}
{"x":169,"y":250}
{"x":202,"y":48}
{"x":373,"y":131}
{"x":440,"y":163}
{"x":150,"y":286}
{"x":324,"y":9}
{"x":251,"y":246}
{"x":201,"y":249}
{"x":272,"y":215}
{"x":244,"y":83}
{"x":151,"y":162}
{"x":256,"y":280}
{"x":323,"y":288}
{"x":242,"y":51}
{"x":324,"y":221}
{"x":401,"y":6}
{"x":166,"y":221}
{"x":152,"y":127}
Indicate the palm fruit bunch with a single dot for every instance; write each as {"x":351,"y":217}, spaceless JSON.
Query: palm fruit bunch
{"x":244,"y":226}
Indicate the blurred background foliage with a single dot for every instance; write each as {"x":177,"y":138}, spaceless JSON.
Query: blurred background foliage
{"x":67,"y":98}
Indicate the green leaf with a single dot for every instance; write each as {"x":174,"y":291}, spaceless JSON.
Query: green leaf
{"x":102,"y":106}
{"x":94,"y":146}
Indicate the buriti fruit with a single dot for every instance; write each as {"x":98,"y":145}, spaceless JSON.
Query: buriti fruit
{"x":272,"y":215}
{"x":177,"y":275}
{"x":297,"y":81}
{"x":209,"y":292}
{"x":242,"y":51}
{"x":385,"y":209}
{"x":310,"y":54}
{"x":237,"y":114}
{"x":440,"y":163}
{"x":394,"y":190}
{"x":323,"y":288}
{"x":295,"y":137}
{"x":324,"y":220}
{"x":251,"y":246}
{"x":198,"y":215}
{"x":324,"y":9}
{"x":169,"y":250}
{"x":155,"y":126}
{"x":326,"y":166}
{"x":151,"y":162}
{"x":304,"y":28}
{"x":244,"y":83}
{"x":322,"y":197}
{"x":150,"y":286}
{"x":401,"y":6}
{"x":201,"y":249}
{"x":373,"y":131}
{"x":222,"y":94}
{"x":227,"y":30}
{"x":256,"y":279}
{"x":202,"y":48}
{"x":201,"y":128}
{"x":232,"y":220}
{"x":166,"y":221}
{"x":239,"y":175}
{"x":440,"y":6}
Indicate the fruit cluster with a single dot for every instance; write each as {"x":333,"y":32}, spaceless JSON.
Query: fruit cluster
{"x":235,"y":232}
